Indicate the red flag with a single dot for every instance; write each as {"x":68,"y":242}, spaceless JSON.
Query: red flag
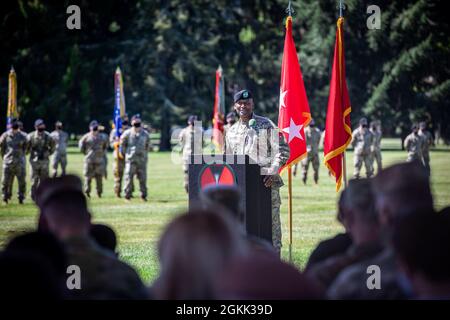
{"x":219,"y":110}
{"x":338,"y":132}
{"x":294,"y":112}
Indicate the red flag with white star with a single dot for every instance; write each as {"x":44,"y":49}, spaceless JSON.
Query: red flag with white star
{"x":294,"y":112}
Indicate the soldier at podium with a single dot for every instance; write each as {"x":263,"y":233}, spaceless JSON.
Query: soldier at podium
{"x":258,"y":138}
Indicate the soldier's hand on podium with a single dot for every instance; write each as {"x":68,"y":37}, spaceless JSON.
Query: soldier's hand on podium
{"x":268,"y":181}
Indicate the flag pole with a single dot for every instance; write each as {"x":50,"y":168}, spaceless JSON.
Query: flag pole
{"x":290,"y":12}
{"x":344,"y":162}
{"x":290,"y":211}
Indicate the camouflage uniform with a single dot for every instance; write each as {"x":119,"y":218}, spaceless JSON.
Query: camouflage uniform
{"x":188,"y":148}
{"x":13,"y":146}
{"x":118,"y":163}
{"x":362,"y":140}
{"x":427,"y":142}
{"x":414,"y":146}
{"x":375,"y":149}
{"x":103,"y":276}
{"x":260,"y":144}
{"x":40,"y":146}
{"x":135,"y":145}
{"x":60,"y":156}
{"x":93,"y":146}
{"x":312,"y":145}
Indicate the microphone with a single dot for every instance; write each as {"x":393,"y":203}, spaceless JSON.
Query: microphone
{"x":252,"y":124}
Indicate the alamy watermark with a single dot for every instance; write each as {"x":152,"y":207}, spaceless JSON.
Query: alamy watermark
{"x":74,"y":20}
{"x":373,"y":282}
{"x":73,"y":281}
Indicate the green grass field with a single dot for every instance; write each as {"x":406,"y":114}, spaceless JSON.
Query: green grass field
{"x":139,"y":224}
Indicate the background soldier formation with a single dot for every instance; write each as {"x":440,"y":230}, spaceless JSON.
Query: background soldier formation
{"x":60,"y":156}
{"x":190,"y":146}
{"x":313,"y":136}
{"x":135,"y":144}
{"x":93,"y":145}
{"x":13,"y":147}
{"x":417,"y":144}
{"x":362,"y":141}
{"x":40,"y":146}
{"x":119,"y":159}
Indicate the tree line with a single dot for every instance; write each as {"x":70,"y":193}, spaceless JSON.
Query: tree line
{"x":168,"y":52}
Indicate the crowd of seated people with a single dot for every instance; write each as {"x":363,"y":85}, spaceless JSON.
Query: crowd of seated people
{"x":389,"y":224}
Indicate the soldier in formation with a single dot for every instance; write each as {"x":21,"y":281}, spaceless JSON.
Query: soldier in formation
{"x":362,"y":141}
{"x":375,"y":130}
{"x":40,"y":146}
{"x":191,"y":142}
{"x":13,"y":147}
{"x":428,"y":141}
{"x":135,"y":144}
{"x":118,"y":156}
{"x":61,"y":139}
{"x":93,"y":146}
{"x":313,"y":136}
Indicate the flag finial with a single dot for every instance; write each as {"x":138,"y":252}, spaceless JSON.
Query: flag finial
{"x":289,"y":10}
{"x":341,"y":7}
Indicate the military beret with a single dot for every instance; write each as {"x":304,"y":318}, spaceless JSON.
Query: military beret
{"x":94,"y":123}
{"x":38,"y":122}
{"x":54,"y":186}
{"x":242,"y":95}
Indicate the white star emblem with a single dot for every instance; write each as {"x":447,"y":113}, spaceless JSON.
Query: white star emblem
{"x":293,"y":131}
{"x":282,"y":102}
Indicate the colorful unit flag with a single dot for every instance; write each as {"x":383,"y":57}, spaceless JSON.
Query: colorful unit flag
{"x":12,"y":98}
{"x":219,"y":109}
{"x":294,"y":112}
{"x":338,"y":133}
{"x":119,"y":102}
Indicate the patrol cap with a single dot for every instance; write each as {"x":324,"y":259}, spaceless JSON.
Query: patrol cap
{"x":192,"y":118}
{"x":423,"y":125}
{"x":52,"y":187}
{"x":38,"y":122}
{"x":58,"y":123}
{"x":312,"y":123}
{"x":363,"y":121}
{"x":242,"y":95}
{"x":415,"y":127}
{"x":93,"y":123}
{"x":136,"y":117}
{"x":231,"y":115}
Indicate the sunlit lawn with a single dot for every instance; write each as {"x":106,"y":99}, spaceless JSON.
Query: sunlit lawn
{"x":139,"y":224}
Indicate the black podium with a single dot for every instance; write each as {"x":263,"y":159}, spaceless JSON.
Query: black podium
{"x":205,"y":170}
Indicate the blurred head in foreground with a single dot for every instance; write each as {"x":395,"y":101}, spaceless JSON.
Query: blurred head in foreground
{"x":193,"y":250}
